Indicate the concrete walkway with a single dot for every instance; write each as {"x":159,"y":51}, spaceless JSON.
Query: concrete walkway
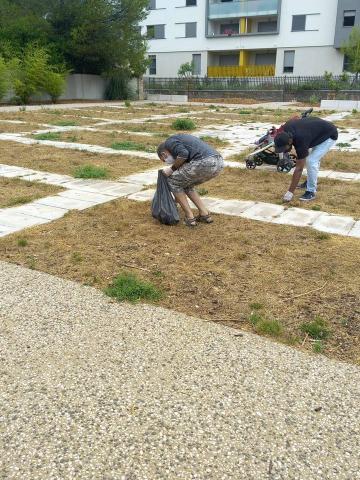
{"x":98,"y":390}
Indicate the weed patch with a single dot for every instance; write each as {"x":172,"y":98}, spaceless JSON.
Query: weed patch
{"x":128,"y":287}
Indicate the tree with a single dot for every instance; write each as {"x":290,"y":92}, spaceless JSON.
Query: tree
{"x":186,"y":70}
{"x":4,"y":78}
{"x":351,"y":49}
{"x":90,"y":36}
{"x":33,"y":74}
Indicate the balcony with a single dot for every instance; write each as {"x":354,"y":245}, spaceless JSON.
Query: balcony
{"x":242,"y":71}
{"x":242,"y":8}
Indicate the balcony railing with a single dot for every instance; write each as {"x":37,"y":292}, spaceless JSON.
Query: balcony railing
{"x":242,"y":71}
{"x":242,"y":8}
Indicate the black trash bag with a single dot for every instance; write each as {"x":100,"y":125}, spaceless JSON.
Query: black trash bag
{"x":163,"y":206}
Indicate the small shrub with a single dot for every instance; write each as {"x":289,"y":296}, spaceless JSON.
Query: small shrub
{"x":90,"y":171}
{"x":22,"y":242}
{"x":354,"y":111}
{"x":76,"y":257}
{"x":316,"y":329}
{"x":183,"y":124}
{"x":316,"y":208}
{"x":314,"y":100}
{"x":244,"y":112}
{"x":343,"y":145}
{"x":269,"y":327}
{"x":127,"y":287}
{"x":127,"y":103}
{"x":47,"y":136}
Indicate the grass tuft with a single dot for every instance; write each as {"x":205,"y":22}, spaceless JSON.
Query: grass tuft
{"x":90,"y":171}
{"x":317,"y":329}
{"x":129,"y":145}
{"x":22,"y":242}
{"x":47,"y":136}
{"x":127,"y":287}
{"x":269,"y":327}
{"x":183,"y":124}
{"x":65,"y":123}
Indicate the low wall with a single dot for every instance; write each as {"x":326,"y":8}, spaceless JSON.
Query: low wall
{"x":341,"y":105}
{"x":167,"y":98}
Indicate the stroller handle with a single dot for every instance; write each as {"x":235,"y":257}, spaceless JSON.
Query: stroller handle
{"x":307,"y":112}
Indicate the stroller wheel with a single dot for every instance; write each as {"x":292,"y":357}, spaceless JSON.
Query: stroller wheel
{"x":250,"y":164}
{"x":258,"y":161}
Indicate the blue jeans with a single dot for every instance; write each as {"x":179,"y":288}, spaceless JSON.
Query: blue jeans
{"x":313,"y":163}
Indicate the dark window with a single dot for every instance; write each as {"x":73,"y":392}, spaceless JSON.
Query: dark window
{"x":229,"y":29}
{"x":228,"y":60}
{"x":267,"y":26}
{"x":152,"y":66}
{"x":191,"y":3}
{"x":190,"y":29}
{"x":152,"y":5}
{"x":156,"y":31}
{"x":349,"y":18}
{"x":289,"y":57}
{"x":298,"y":23}
{"x":196,"y":62}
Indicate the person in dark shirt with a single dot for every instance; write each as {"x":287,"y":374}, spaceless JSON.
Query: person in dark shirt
{"x":304,"y":134}
{"x":190,"y":162}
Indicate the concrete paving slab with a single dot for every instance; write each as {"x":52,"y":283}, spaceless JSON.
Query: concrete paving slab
{"x":11,"y":218}
{"x":145,"y":178}
{"x":298,"y":217}
{"x":344,"y":176}
{"x":334,"y":224}
{"x":40,"y":211}
{"x":231,"y":207}
{"x":65,"y":203}
{"x":355,"y":231}
{"x":143,"y":196}
{"x":263,"y":211}
{"x":86,"y":196}
{"x":16,"y":172}
{"x":123,"y":189}
{"x":6,"y":230}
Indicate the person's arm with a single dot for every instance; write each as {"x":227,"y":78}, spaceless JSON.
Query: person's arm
{"x":175,"y":166}
{"x":300,"y":164}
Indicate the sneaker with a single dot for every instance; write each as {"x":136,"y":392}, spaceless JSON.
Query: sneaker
{"x":302,"y":185}
{"x":307,"y":196}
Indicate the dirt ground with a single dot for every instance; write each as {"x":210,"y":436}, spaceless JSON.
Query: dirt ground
{"x":333,"y":196}
{"x":107,"y":139}
{"x":217,"y":272}
{"x":341,"y":161}
{"x":55,"y":160}
{"x":14,"y":192}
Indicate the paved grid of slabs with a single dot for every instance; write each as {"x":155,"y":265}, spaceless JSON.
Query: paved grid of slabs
{"x":80,"y":194}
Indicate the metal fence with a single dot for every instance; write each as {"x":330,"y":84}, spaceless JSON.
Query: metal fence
{"x":285,"y":83}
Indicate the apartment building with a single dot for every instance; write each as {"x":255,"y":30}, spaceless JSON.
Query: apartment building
{"x":249,"y":37}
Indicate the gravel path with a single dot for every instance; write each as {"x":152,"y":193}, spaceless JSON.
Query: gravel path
{"x":97,"y":390}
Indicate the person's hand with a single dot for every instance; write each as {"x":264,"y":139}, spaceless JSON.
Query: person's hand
{"x":167,"y":171}
{"x":288,"y":196}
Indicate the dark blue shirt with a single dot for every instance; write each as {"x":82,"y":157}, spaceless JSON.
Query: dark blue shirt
{"x":189,"y":147}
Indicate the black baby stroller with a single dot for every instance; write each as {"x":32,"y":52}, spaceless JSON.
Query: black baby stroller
{"x":265,"y":153}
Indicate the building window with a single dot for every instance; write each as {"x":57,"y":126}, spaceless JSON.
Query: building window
{"x":298,"y":23}
{"x":229,"y":29}
{"x":289,"y":57}
{"x":190,"y":29}
{"x":155,"y":31}
{"x":267,"y":26}
{"x":152,"y":5}
{"x":152,"y":66}
{"x":190,"y":3}
{"x":349,"y":18}
{"x":196,"y":63}
{"x":228,"y":60}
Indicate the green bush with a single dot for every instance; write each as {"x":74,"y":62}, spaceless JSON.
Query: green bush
{"x":183,"y":124}
{"x":127,"y":287}
{"x":118,"y":87}
{"x":54,"y":85}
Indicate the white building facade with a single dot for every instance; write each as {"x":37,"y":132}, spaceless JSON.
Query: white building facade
{"x":248,"y":37}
